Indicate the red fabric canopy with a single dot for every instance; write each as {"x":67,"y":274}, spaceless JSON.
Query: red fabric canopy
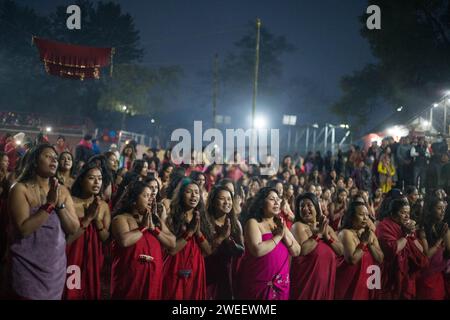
{"x":73,"y":61}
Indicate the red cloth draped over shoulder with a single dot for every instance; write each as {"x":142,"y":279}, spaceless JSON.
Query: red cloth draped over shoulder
{"x":313,"y":276}
{"x":132,"y":278}
{"x":431,"y":281}
{"x":399,"y":270}
{"x":86,"y":253}
{"x":351,"y":279}
{"x":184,"y":274}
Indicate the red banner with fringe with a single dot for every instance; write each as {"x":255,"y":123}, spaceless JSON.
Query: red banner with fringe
{"x":73,"y":61}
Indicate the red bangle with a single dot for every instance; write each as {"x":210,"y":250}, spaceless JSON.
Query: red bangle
{"x":143,"y":229}
{"x":330,"y":241}
{"x":156,"y":231}
{"x":315,"y":237}
{"x":186,"y":237}
{"x":48,"y":207}
{"x":362,"y":246}
{"x":201,"y":239}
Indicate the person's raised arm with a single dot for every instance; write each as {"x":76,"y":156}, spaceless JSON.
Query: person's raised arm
{"x":66,"y":212}
{"x":375,"y":249}
{"x":352,"y":252}
{"x":333,"y":240}
{"x":187,"y":233}
{"x":122,"y":233}
{"x":19,"y":209}
{"x":307,"y":244}
{"x":253,"y":240}
{"x":103,"y":222}
{"x":161,"y":232}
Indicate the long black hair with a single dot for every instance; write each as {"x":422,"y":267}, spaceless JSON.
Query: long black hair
{"x":177,"y":216}
{"x":77,"y":188}
{"x":107,"y":177}
{"x":130,"y":197}
{"x":31,"y":160}
{"x":396,"y":205}
{"x":349,"y":216}
{"x":429,"y":223}
{"x":211,"y":208}
{"x":256,"y":208}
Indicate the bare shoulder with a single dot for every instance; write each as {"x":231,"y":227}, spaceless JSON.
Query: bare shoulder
{"x":19,"y":187}
{"x":300,"y":226}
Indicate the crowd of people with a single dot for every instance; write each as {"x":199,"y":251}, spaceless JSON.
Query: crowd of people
{"x":360,"y":225}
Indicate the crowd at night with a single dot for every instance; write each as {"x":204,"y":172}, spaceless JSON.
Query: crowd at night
{"x":107,"y":191}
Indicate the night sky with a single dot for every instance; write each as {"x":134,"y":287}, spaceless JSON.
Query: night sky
{"x":326,"y":34}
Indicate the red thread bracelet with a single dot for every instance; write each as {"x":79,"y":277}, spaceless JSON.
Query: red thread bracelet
{"x":201,"y":239}
{"x":156,"y":231}
{"x":143,"y":229}
{"x":362,"y":246}
{"x":330,"y":241}
{"x":315,"y":237}
{"x":48,"y":207}
{"x":186,"y":237}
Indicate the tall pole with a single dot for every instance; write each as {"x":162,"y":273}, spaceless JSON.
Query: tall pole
{"x":255,"y":82}
{"x":307,"y":139}
{"x":431,"y":119}
{"x":445,"y":115}
{"x":289,"y":139}
{"x":215,"y":86}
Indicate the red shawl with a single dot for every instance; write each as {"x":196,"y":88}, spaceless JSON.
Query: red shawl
{"x":86,"y":252}
{"x":399,"y":270}
{"x":184,"y":274}
{"x":313,"y":276}
{"x":132,"y":278}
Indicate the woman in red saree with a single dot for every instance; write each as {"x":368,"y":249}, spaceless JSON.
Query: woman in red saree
{"x":84,"y":248}
{"x":403,"y":254}
{"x":264,"y":270}
{"x":361,"y":251}
{"x":184,"y":267}
{"x":435,"y":239}
{"x":139,"y":236}
{"x":313,"y":272}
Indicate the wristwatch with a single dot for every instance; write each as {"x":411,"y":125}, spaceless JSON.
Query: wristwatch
{"x":60,"y":207}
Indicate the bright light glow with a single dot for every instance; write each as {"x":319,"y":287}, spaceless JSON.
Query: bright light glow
{"x":447,"y":93}
{"x":426,"y":123}
{"x":397,"y":131}
{"x":399,"y":109}
{"x":289,"y":120}
{"x":124,"y":108}
{"x":435,"y":105}
{"x":260,"y":122}
{"x":315,"y":125}
{"x":344,"y":126}
{"x":48,"y":129}
{"x":152,"y":120}
{"x":18,"y":142}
